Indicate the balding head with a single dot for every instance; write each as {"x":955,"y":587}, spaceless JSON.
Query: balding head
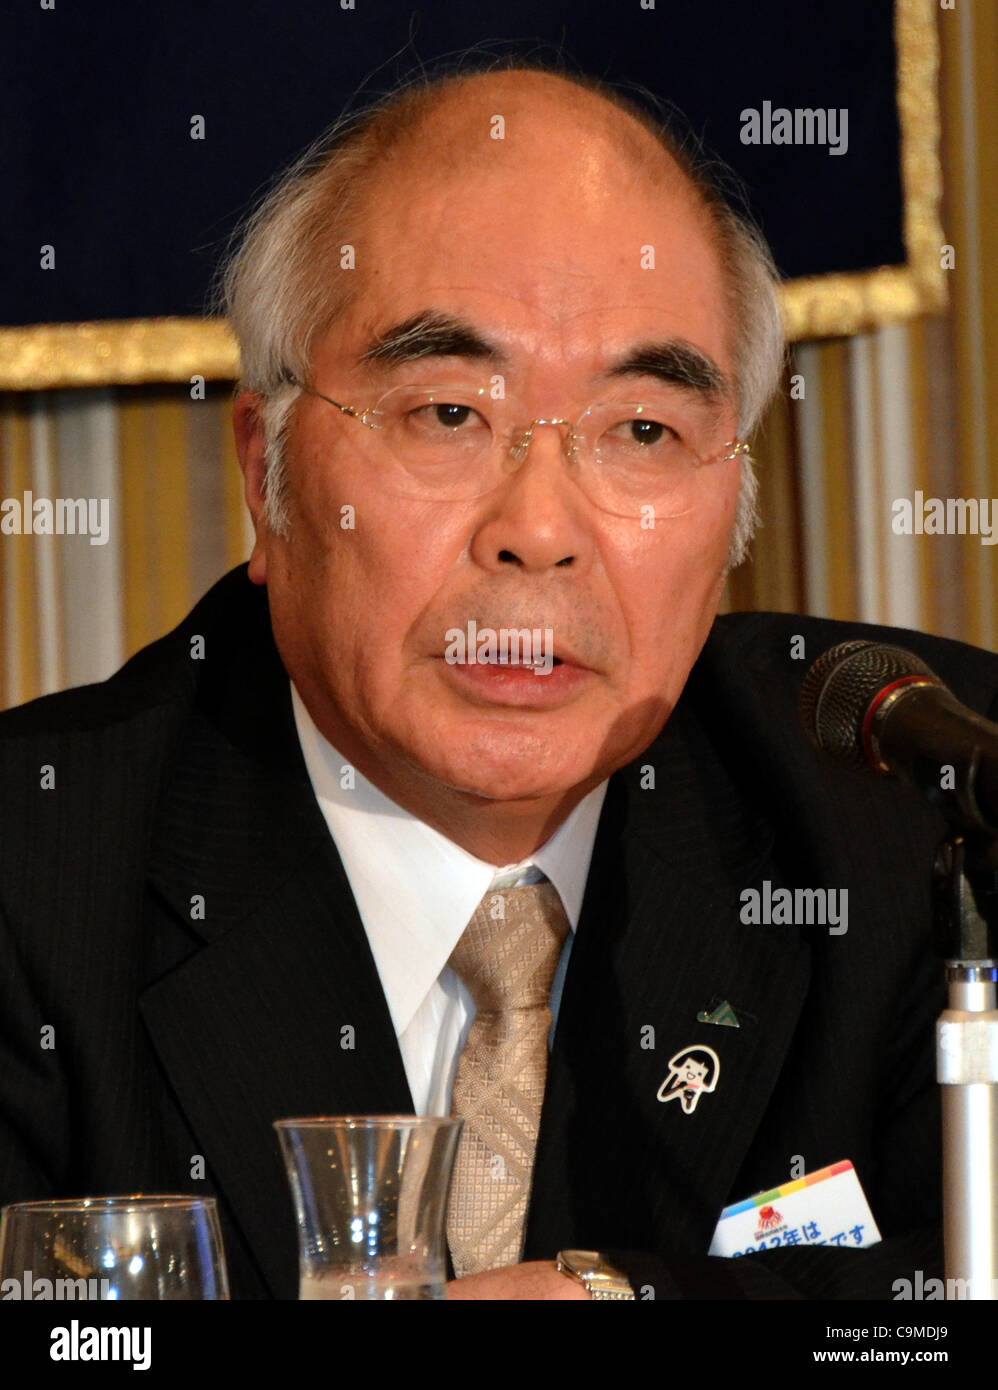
{"x":527,"y":113}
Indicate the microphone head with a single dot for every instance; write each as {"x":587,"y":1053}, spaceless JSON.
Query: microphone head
{"x":840,"y":687}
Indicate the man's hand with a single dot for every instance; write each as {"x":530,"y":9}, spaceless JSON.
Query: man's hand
{"x":536,"y":1279}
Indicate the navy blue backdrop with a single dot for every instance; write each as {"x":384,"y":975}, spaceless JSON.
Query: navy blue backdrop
{"x":96,"y":102}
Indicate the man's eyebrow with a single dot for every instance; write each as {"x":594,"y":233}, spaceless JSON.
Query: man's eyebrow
{"x":676,"y":362}
{"x":430,"y":334}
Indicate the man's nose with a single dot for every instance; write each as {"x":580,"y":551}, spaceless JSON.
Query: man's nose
{"x":537,"y":518}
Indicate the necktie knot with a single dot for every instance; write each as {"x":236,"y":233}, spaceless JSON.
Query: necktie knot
{"x":508,"y":953}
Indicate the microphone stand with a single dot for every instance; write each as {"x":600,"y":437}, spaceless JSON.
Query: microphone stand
{"x":967,"y":1062}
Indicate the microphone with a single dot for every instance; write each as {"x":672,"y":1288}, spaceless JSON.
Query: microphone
{"x":870,"y":704}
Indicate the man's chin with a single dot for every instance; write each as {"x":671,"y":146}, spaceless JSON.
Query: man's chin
{"x":515,"y":777}
{"x":527,"y":756}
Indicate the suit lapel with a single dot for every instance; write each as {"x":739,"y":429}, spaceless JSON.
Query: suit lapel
{"x":659,"y":940}
{"x":266,"y":1002}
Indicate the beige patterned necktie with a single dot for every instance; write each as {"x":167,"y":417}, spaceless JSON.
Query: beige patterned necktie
{"x":507,"y":958}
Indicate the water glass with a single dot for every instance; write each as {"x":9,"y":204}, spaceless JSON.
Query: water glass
{"x":108,"y":1248}
{"x":370,"y":1194}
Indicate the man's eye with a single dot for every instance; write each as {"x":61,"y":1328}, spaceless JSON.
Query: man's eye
{"x":451,"y":416}
{"x":641,"y":431}
{"x":646,"y":431}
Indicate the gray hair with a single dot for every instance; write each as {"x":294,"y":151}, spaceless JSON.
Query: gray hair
{"x":277,"y":293}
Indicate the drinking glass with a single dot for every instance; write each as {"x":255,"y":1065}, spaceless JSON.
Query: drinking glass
{"x":370,"y":1194}
{"x":107,"y":1248}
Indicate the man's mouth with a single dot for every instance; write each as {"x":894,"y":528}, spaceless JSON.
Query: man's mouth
{"x":522,"y":665}
{"x":539,"y":665}
{"x":509,"y":680}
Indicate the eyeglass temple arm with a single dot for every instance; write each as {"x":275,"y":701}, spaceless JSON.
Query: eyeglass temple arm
{"x":291,"y":380}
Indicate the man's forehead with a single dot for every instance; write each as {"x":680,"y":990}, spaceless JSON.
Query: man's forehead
{"x":548,"y":242}
{"x":399,"y":318}
{"x":552,"y":217}
{"x":535,"y":268}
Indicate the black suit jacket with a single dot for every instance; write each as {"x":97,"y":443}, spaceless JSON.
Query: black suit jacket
{"x":174,"y":908}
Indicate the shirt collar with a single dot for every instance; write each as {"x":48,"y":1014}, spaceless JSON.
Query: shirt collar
{"x":416,"y":890}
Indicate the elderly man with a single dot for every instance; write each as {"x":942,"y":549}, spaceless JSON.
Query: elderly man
{"x":502,"y":347}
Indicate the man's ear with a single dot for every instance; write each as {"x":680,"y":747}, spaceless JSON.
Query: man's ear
{"x":247,"y":424}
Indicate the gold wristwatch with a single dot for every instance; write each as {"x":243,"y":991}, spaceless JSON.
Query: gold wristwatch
{"x":600,"y":1278}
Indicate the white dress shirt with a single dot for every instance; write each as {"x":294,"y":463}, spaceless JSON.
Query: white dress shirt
{"x":416,"y":890}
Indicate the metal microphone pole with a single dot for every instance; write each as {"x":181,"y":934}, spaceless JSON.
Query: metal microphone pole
{"x":872,"y":704}
{"x":967,"y":1063}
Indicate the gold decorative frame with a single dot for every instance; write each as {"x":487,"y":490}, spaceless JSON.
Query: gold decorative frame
{"x":125,"y":352}
{"x":828,"y":306}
